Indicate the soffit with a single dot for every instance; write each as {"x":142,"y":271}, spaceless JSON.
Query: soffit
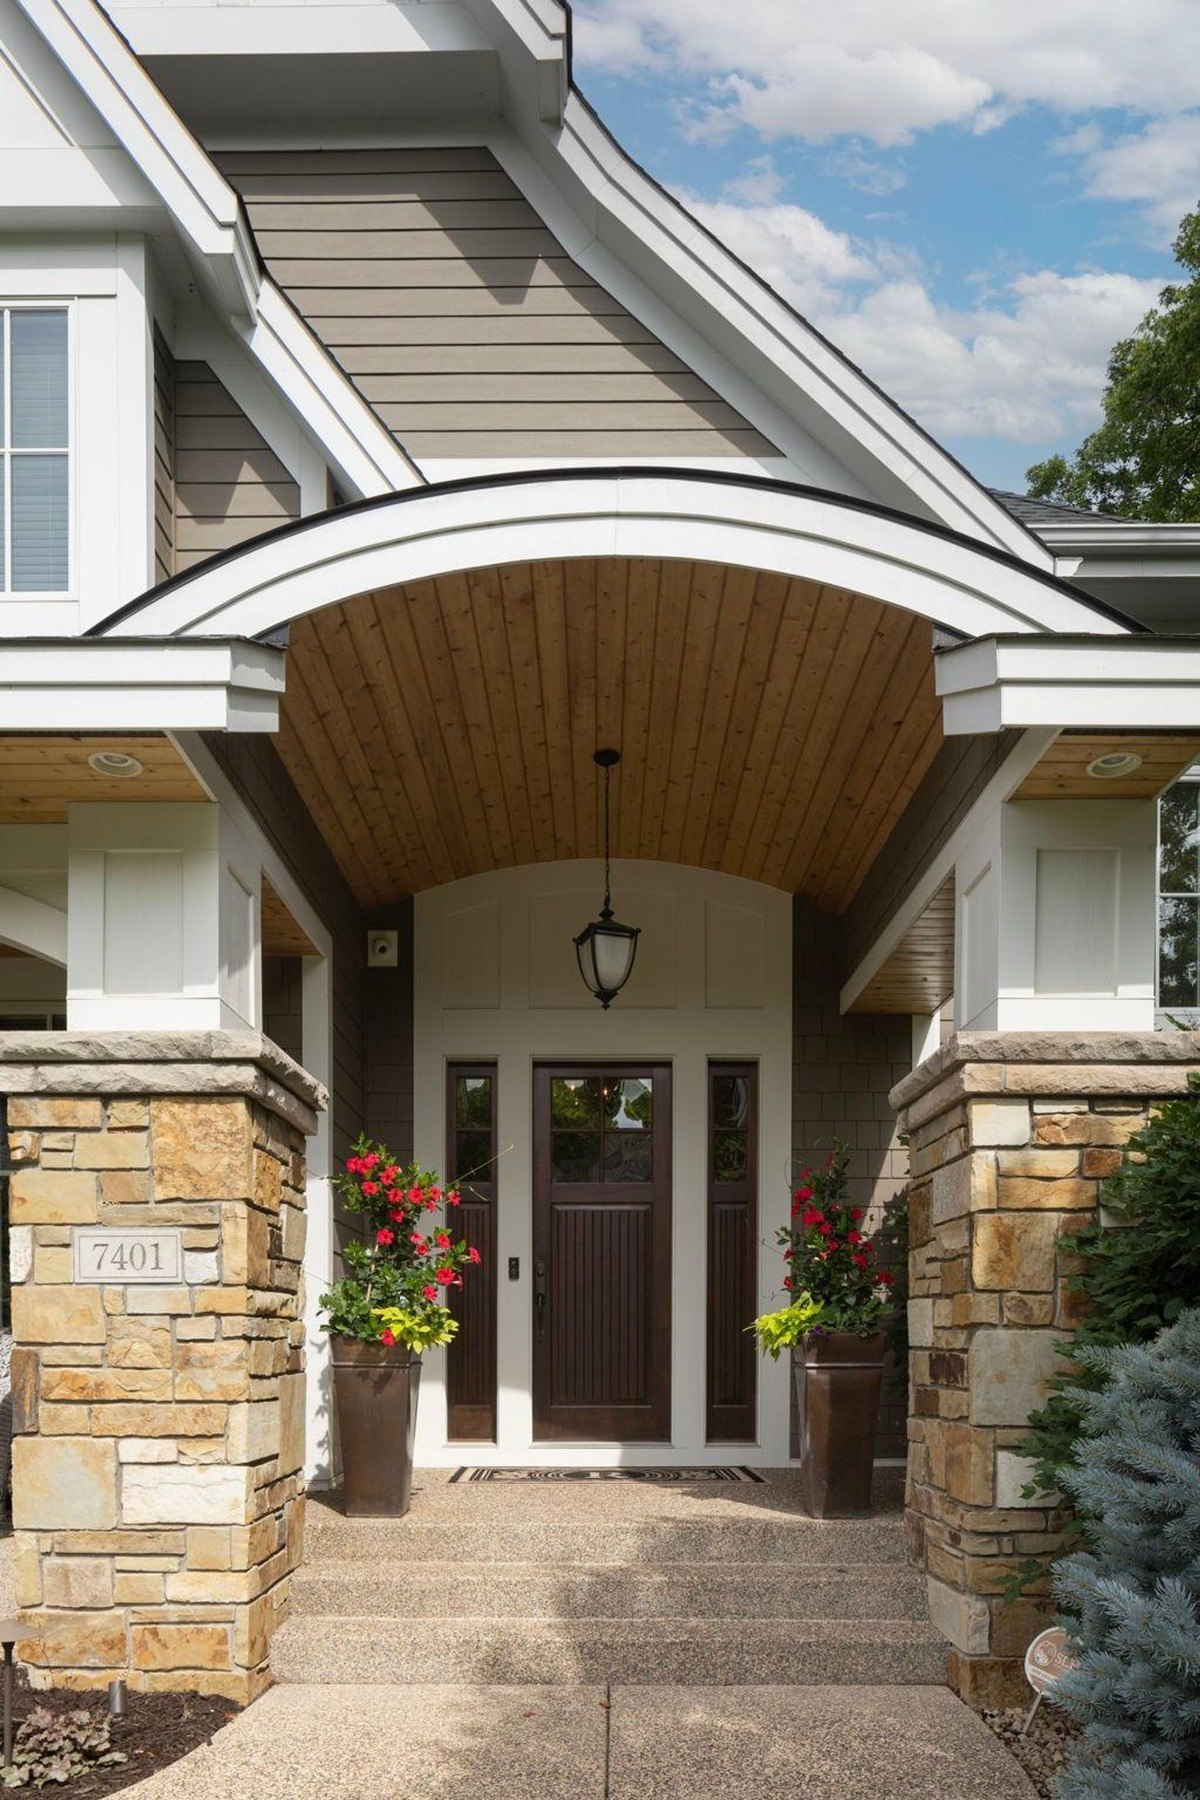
{"x":918,"y":976}
{"x":41,"y":775}
{"x":1062,"y":772}
{"x":771,"y":728}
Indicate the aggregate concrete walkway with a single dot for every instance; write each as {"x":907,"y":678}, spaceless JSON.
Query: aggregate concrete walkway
{"x":588,"y":1743}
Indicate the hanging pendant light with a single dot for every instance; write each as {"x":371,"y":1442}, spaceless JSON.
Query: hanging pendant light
{"x":606,"y":948}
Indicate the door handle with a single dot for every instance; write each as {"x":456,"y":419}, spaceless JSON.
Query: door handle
{"x":539,"y":1297}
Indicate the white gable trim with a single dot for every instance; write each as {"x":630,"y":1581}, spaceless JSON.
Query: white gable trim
{"x":629,"y":512}
{"x":85,"y":685}
{"x":1153,"y":684}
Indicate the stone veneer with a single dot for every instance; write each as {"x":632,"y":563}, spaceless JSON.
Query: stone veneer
{"x":1009,"y":1136}
{"x":158,"y":1442}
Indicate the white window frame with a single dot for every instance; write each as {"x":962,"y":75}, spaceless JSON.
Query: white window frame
{"x":1166,"y":1017}
{"x":9,"y":306}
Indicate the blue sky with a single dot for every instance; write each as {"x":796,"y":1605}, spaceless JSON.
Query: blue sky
{"x":973,"y":198}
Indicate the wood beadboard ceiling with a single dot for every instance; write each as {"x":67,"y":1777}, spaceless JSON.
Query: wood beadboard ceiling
{"x":919,"y":974}
{"x":1062,"y":772}
{"x":770,"y":728}
{"x":41,"y":775}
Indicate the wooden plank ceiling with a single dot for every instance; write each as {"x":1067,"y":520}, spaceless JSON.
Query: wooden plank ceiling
{"x":770,"y":728}
{"x":1062,"y":772}
{"x":918,"y":976}
{"x":41,"y":774}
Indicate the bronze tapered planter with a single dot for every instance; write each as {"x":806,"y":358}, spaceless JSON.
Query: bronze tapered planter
{"x":376,"y":1393}
{"x":838,"y":1378}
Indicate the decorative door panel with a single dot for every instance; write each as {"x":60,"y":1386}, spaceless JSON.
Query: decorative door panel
{"x":732,"y":1251}
{"x":470,"y":1166}
{"x":602,"y":1245}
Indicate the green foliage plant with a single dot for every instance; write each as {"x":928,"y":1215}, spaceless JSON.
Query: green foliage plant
{"x":829,"y":1256}
{"x":1138,"y":1268}
{"x":399,"y":1275}
{"x":780,"y":1331}
{"x":50,"y":1748}
{"x":1143,"y":460}
{"x":1132,"y":1598}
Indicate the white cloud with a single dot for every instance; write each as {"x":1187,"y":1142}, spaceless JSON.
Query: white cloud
{"x":1027,"y":365}
{"x":1158,"y":167}
{"x":884,"y":69}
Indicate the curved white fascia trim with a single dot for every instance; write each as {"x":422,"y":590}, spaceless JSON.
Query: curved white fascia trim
{"x":201,"y":202}
{"x":662,"y":513}
{"x":807,"y":374}
{"x":362,"y":450}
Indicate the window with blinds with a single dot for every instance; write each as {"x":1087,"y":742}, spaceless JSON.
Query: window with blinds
{"x":34,"y":451}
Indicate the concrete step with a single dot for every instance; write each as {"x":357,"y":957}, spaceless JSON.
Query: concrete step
{"x":330,"y":1537}
{"x":379,"y":1649}
{"x":677,"y":1590}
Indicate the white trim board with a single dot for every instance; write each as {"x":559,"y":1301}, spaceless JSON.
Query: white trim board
{"x":998,"y":683}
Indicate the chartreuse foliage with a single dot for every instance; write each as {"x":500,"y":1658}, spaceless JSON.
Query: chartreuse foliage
{"x":1139,"y":1269}
{"x":779,"y":1331}
{"x":1133,"y":1598}
{"x":1143,"y":460}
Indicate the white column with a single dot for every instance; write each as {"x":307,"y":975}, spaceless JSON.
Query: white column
{"x":163,"y":919}
{"x":319,"y":1261}
{"x":1055,"y":917}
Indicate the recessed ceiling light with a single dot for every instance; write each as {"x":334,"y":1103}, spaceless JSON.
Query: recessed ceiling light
{"x":1114,"y":763}
{"x":114,"y":764}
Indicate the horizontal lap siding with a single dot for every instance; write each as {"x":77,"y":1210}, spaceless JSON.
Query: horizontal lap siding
{"x":228,"y":485}
{"x":164,"y":461}
{"x":460,"y":317}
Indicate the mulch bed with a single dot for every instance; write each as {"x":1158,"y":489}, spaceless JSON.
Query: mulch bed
{"x":157,"y":1730}
{"x":1043,"y":1754}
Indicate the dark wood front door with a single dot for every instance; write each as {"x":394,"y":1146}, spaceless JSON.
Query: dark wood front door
{"x":602,"y":1252}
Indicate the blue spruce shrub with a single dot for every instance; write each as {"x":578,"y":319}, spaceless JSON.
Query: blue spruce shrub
{"x":1132,"y":1599}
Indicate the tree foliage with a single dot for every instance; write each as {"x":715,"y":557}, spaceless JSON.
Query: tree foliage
{"x":1133,"y":1598}
{"x":1139,"y":1267}
{"x":1143,"y":460}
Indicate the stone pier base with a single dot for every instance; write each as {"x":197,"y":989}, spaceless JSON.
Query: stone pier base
{"x":158,"y":1426}
{"x":1009,"y":1137}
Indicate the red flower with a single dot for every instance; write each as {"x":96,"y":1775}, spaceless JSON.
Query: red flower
{"x":430,"y":1203}
{"x":856,"y":1213}
{"x":453,"y":1199}
{"x":416,"y":1195}
{"x":473,"y":1255}
{"x":445,"y":1275}
{"x":788,"y":1254}
{"x":395,"y":1196}
{"x":442,"y":1240}
{"x":886,"y":1276}
{"x":371,"y":1188}
{"x":370,"y":1161}
{"x":795,"y":1207}
{"x":430,"y":1292}
{"x":825,"y":1228}
{"x":396,"y":1215}
{"x":389,"y":1174}
{"x":854,"y":1237}
{"x":814,"y":1216}
{"x":355,"y":1165}
{"x":435,"y":1193}
{"x":787,"y":1281}
{"x":860,"y":1261}
{"x":385,"y":1236}
{"x":804,"y":1193}
{"x":420,"y":1242}
{"x":388,"y":1338}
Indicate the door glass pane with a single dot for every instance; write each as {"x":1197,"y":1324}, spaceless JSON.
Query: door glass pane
{"x":39,"y":523}
{"x":575,"y":1156}
{"x":473,"y":1101}
{"x":574,"y":1101}
{"x":1180,"y":852}
{"x":731,"y":1101}
{"x":39,"y":380}
{"x":628,"y":1104}
{"x":628,"y":1156}
{"x":731,"y":1156}
{"x":1177,"y":952}
{"x":472,"y":1155}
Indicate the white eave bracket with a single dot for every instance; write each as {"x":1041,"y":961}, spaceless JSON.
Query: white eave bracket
{"x":146,"y":684}
{"x":1091,"y":683}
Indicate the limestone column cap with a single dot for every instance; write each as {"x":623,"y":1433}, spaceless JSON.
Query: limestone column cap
{"x":195,"y":1063}
{"x":1048,"y":1065}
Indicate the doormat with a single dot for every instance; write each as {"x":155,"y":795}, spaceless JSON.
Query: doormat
{"x":673,"y":1477}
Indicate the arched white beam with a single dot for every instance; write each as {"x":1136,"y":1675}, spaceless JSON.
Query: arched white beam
{"x":701,"y":516}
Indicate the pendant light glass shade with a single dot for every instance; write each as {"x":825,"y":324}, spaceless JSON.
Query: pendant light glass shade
{"x":606,"y":949}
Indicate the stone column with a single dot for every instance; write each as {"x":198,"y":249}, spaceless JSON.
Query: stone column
{"x":158,"y":1423}
{"x":1009,"y":1136}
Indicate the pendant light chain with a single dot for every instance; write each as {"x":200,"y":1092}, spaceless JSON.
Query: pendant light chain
{"x":606,"y":913}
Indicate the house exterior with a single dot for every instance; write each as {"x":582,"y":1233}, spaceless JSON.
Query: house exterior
{"x":379,"y":443}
